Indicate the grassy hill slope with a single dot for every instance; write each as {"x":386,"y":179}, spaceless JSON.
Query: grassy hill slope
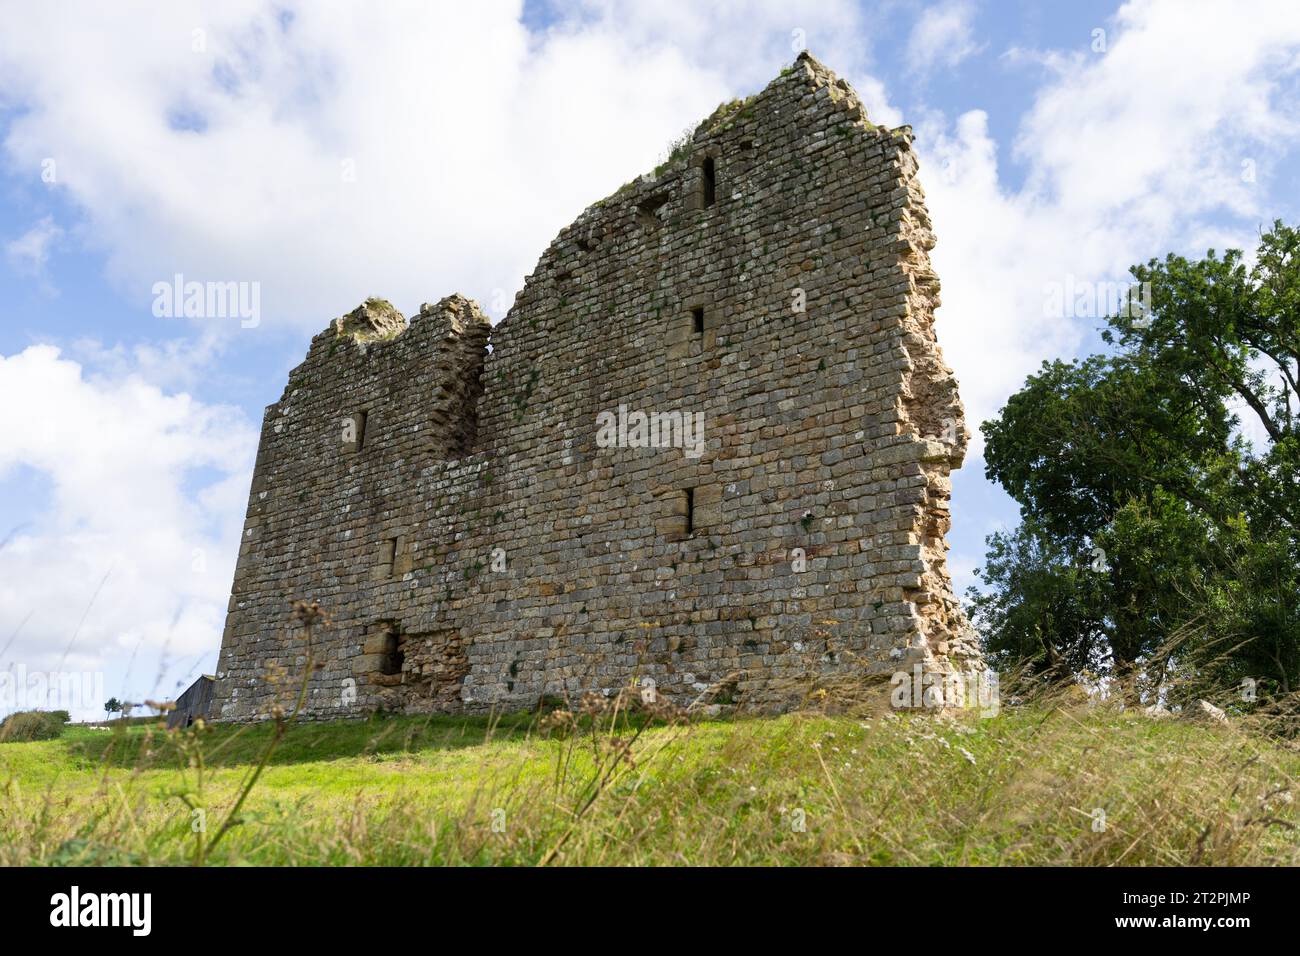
{"x":1046,"y":784}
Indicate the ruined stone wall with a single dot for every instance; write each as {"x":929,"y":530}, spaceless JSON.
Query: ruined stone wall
{"x":484,"y":546}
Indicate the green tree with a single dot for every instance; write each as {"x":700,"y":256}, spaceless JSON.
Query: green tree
{"x":1230,"y":336}
{"x":1042,"y":609}
{"x":1133,"y":466}
{"x":112,"y":706}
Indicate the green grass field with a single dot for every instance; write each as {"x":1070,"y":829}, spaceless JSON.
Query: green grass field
{"x":1046,"y":784}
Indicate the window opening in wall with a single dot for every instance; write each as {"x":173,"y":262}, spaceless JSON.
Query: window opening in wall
{"x":710,"y":182}
{"x":361,"y":428}
{"x":393,"y":559}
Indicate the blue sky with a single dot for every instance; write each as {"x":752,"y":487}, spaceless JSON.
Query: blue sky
{"x":328,"y":153}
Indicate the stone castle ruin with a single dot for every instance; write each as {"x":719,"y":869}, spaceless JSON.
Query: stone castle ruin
{"x":708,"y":450}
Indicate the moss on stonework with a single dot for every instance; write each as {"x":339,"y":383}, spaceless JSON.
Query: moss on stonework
{"x":727,"y":114}
{"x":375,"y":320}
{"x":726,"y":111}
{"x":623,"y":190}
{"x":677,"y":150}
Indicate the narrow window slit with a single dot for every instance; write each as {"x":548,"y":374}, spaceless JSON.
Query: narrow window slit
{"x":388,"y":555}
{"x":710,"y":182}
{"x":361,"y":428}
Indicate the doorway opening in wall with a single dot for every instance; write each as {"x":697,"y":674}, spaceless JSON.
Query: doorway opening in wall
{"x":710,"y":182}
{"x":392,"y":658}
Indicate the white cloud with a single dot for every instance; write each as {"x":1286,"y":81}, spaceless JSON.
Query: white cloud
{"x":146,"y":492}
{"x":1127,"y":155}
{"x":472,"y":141}
{"x":942,"y":36}
{"x":398,"y":149}
{"x":29,"y":253}
{"x":173,"y":364}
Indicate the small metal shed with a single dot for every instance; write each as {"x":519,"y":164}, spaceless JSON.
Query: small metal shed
{"x":192,"y":704}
